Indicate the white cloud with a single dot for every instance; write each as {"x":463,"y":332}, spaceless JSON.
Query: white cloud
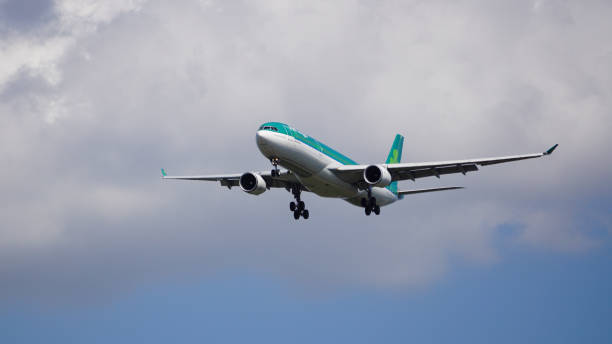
{"x":34,"y":56}
{"x":84,"y":16}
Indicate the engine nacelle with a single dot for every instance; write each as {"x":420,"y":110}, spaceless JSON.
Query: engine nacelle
{"x":252,"y":183}
{"x":377,"y":175}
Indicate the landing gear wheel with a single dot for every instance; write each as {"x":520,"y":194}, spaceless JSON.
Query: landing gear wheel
{"x":372,"y":202}
{"x":368,"y":211}
{"x":298,"y":207}
{"x":376,"y":210}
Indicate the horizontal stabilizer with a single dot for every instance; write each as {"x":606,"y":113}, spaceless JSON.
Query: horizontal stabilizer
{"x":409,"y":192}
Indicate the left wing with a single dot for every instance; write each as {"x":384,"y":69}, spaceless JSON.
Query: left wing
{"x":284,"y":180}
{"x":354,"y":173}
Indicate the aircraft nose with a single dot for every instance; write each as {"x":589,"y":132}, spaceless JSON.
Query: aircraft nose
{"x":264,"y":143}
{"x":261,"y":138}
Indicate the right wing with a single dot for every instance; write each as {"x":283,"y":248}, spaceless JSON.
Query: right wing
{"x":285,"y":179}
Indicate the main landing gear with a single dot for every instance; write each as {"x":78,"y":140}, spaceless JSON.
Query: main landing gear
{"x":298,"y":207}
{"x":369,"y":204}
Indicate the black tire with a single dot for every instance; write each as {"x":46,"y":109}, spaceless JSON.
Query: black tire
{"x":301,"y":205}
{"x":368,"y":211}
{"x":296,"y":214}
{"x":377,"y":210}
{"x":292,"y":206}
{"x":305,"y":214}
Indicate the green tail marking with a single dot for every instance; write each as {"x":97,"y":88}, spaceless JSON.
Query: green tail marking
{"x":163,"y":172}
{"x":395,"y":157}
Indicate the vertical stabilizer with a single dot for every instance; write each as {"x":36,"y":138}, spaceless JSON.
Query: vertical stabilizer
{"x":395,"y":156}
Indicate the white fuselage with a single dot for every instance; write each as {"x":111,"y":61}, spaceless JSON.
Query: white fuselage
{"x":311,"y":167}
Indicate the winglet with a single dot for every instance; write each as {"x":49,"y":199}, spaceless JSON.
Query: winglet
{"x":163,"y":172}
{"x":551,"y":149}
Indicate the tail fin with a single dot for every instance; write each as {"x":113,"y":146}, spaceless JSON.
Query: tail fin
{"x":395,"y":156}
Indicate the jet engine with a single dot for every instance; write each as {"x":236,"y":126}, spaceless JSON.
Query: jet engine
{"x":252,"y":183}
{"x":377,"y":175}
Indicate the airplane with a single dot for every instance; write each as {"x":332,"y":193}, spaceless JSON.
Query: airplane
{"x":312,"y":166}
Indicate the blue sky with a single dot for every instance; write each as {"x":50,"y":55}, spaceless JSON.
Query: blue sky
{"x":97,"y":96}
{"x":529,"y":297}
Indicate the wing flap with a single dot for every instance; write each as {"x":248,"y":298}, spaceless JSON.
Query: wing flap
{"x":404,"y":174}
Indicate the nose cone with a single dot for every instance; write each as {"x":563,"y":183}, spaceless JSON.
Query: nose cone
{"x":261,"y":138}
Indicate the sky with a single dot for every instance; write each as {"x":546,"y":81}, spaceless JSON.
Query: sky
{"x":97,"y":96}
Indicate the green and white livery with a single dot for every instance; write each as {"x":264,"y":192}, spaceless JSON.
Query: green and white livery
{"x":311,"y":166}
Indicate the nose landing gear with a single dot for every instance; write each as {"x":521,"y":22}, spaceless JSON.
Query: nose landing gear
{"x":298,"y":207}
{"x":275,"y":170}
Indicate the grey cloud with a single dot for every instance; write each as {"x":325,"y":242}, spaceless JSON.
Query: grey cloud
{"x":184,"y":85}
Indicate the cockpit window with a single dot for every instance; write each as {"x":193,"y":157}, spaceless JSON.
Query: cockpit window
{"x":265,"y":127}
